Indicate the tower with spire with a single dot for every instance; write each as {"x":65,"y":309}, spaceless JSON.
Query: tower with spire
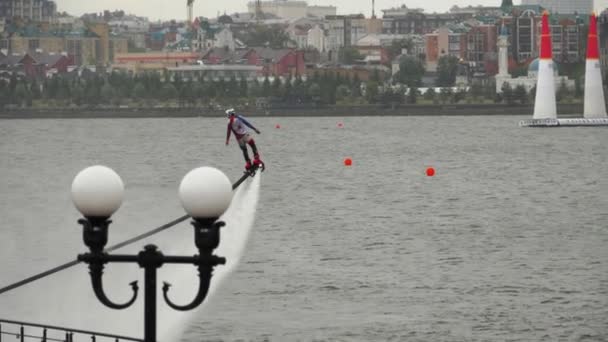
{"x":189,"y":6}
{"x":373,"y":9}
{"x":503,"y":47}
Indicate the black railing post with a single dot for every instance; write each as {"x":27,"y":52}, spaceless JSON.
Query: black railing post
{"x":22,"y":331}
{"x":150,"y":304}
{"x":67,"y":337}
{"x":93,"y":338}
{"x":0,"y":332}
{"x":44,"y":335}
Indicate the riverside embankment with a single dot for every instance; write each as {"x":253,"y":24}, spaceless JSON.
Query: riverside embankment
{"x":564,"y":110}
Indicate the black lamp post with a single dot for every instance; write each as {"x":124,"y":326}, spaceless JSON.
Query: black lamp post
{"x":205,"y":194}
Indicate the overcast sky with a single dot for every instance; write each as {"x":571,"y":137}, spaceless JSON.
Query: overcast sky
{"x":176,"y":9}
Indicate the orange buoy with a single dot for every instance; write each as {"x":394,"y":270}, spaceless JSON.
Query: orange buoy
{"x":277,"y":126}
{"x":348,"y":162}
{"x":430,"y":171}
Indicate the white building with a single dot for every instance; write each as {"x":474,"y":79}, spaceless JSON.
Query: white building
{"x":528,"y":81}
{"x":129,"y":24}
{"x":316,"y":38}
{"x":583,"y":7}
{"x":37,"y":10}
{"x":335,"y":35}
{"x":224,"y":38}
{"x":385,"y":39}
{"x":321,"y":11}
{"x":281,"y":8}
{"x":400,"y":11}
{"x":291,"y":9}
{"x":216,"y":72}
{"x":300,"y":37}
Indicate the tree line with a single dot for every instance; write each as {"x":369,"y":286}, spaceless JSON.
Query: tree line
{"x":120,"y":88}
{"x":151,"y":89}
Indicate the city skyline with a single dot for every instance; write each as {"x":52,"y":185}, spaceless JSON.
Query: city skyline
{"x":165,"y":10}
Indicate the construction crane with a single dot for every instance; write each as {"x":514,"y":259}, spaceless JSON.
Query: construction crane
{"x":259,"y":15}
{"x":190,"y":5}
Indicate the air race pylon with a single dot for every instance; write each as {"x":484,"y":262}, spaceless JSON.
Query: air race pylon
{"x":595,"y":105}
{"x":544,"y":104}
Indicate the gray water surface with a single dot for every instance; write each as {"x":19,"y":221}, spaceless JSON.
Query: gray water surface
{"x":508,"y":241}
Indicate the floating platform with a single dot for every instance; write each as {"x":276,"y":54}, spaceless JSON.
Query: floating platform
{"x":563,"y":122}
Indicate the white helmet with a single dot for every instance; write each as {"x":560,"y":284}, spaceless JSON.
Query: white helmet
{"x":230,"y":112}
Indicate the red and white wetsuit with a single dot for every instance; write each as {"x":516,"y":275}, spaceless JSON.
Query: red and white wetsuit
{"x":238,"y":125}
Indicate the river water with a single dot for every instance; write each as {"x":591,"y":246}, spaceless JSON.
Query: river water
{"x":508,"y":241}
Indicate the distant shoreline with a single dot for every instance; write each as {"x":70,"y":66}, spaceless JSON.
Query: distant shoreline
{"x":564,"y":110}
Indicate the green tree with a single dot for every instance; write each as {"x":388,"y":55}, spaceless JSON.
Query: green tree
{"x":233,"y":88}
{"x":348,"y":55}
{"x":446,"y":95}
{"x":520,"y":94}
{"x":392,"y":97}
{"x":221,"y":90}
{"x":107,"y":93}
{"x":314,"y":91}
{"x":63,"y":89}
{"x":413,"y":94}
{"x":273,"y":36}
{"x":300,"y":89}
{"x":255,"y":89}
{"x":447,"y":67}
{"x":356,"y":86}
{"x":562,"y":91}
{"x":78,"y":95}
{"x":4,"y":93}
{"x":20,"y":93}
{"x":507,"y":93}
{"x":532,"y":94}
{"x":476,"y":91}
{"x":460,"y":95}
{"x":139,"y":91}
{"x":287,"y":89}
{"x":371,"y":91}
{"x":35,"y":90}
{"x":276,"y":86}
{"x":187,"y":95}
{"x":397,"y":46}
{"x":169,"y":92}
{"x":342,"y":92}
{"x":430,"y":94}
{"x":91,"y":94}
{"x":209,"y":90}
{"x":410,"y":72}
{"x":51,"y":88}
{"x":578,"y":88}
{"x":266,"y":87}
{"x":243,"y":87}
{"x":375,"y":76}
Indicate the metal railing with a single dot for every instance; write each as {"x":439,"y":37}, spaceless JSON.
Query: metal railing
{"x":42,"y":332}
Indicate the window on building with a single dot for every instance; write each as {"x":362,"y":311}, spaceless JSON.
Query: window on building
{"x":33,"y":44}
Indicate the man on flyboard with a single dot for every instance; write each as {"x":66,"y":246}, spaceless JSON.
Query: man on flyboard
{"x":237,"y":124}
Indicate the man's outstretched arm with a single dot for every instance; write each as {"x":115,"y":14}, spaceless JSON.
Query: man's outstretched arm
{"x":248,"y":124}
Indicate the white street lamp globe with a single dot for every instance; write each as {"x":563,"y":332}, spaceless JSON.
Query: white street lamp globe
{"x":97,"y":191}
{"x":205,"y":192}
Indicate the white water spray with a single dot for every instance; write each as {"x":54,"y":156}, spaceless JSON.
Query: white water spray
{"x":66,"y":299}
{"x":239,"y":220}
